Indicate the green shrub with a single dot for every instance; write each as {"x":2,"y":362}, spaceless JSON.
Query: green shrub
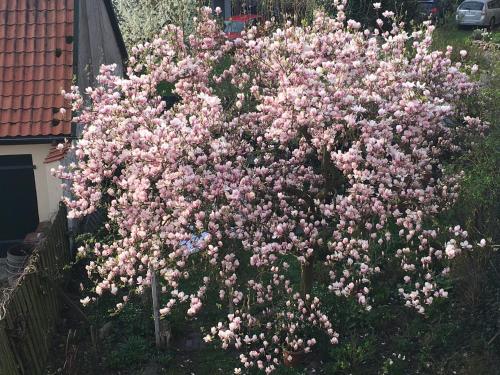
{"x":129,"y":354}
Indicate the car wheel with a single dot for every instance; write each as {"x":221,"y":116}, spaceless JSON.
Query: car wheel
{"x":492,"y":23}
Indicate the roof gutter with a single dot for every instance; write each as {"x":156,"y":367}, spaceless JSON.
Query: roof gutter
{"x":76,"y":43}
{"x":33,"y":140}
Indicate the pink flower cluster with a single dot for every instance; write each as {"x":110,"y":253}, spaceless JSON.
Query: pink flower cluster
{"x":275,"y":332}
{"x":311,"y":146}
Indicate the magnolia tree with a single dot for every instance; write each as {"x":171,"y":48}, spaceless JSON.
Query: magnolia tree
{"x":301,"y":150}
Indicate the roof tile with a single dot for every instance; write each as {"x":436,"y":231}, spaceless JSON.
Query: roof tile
{"x":36,"y":63}
{"x":56,"y":153}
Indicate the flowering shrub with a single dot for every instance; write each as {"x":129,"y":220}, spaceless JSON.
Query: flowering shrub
{"x":294,"y":320}
{"x":315,"y":145}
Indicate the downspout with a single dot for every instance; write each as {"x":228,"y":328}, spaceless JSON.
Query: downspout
{"x":76,"y":29}
{"x":73,"y":223}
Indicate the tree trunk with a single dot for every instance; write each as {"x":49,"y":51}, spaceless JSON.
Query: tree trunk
{"x":231,"y":304}
{"x":307,"y":276}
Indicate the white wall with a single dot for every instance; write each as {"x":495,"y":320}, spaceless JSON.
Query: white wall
{"x":48,"y":187}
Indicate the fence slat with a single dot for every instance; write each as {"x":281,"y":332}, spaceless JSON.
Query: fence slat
{"x":27,"y":339}
{"x":33,"y":333}
{"x":36,"y":304}
{"x":10,"y":341}
{"x":7,"y":358}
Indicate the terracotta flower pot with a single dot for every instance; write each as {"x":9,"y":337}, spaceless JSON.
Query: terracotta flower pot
{"x":293,"y":358}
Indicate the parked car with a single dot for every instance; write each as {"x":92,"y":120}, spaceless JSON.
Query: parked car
{"x":479,"y":13}
{"x":233,"y":26}
{"x":435,"y":10}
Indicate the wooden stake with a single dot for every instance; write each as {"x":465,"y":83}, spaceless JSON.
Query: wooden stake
{"x":156,"y":307}
{"x":307,"y":277}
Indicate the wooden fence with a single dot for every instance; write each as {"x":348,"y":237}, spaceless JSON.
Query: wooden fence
{"x":30,"y":308}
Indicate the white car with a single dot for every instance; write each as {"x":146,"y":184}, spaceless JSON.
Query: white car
{"x":479,"y":13}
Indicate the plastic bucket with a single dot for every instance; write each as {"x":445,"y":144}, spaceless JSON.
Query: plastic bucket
{"x":3,"y":269}
{"x":16,"y":258}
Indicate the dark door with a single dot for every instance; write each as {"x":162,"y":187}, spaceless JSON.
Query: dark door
{"x":18,"y":203}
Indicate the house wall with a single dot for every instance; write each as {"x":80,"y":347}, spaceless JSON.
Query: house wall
{"x":48,"y":188}
{"x":225,"y":6}
{"x":97,"y":43}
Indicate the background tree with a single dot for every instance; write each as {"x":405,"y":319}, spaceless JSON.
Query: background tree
{"x":140,"y":20}
{"x":362,"y":10}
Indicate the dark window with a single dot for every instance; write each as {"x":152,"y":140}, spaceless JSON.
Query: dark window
{"x":18,"y":203}
{"x":472,"y":5}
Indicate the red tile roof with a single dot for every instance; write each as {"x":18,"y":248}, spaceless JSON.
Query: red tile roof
{"x":36,"y":63}
{"x":56,"y":153}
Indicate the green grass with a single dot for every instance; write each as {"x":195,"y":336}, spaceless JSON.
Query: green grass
{"x":450,"y":35}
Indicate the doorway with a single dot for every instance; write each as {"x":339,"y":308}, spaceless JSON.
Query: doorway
{"x":18,"y":201}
